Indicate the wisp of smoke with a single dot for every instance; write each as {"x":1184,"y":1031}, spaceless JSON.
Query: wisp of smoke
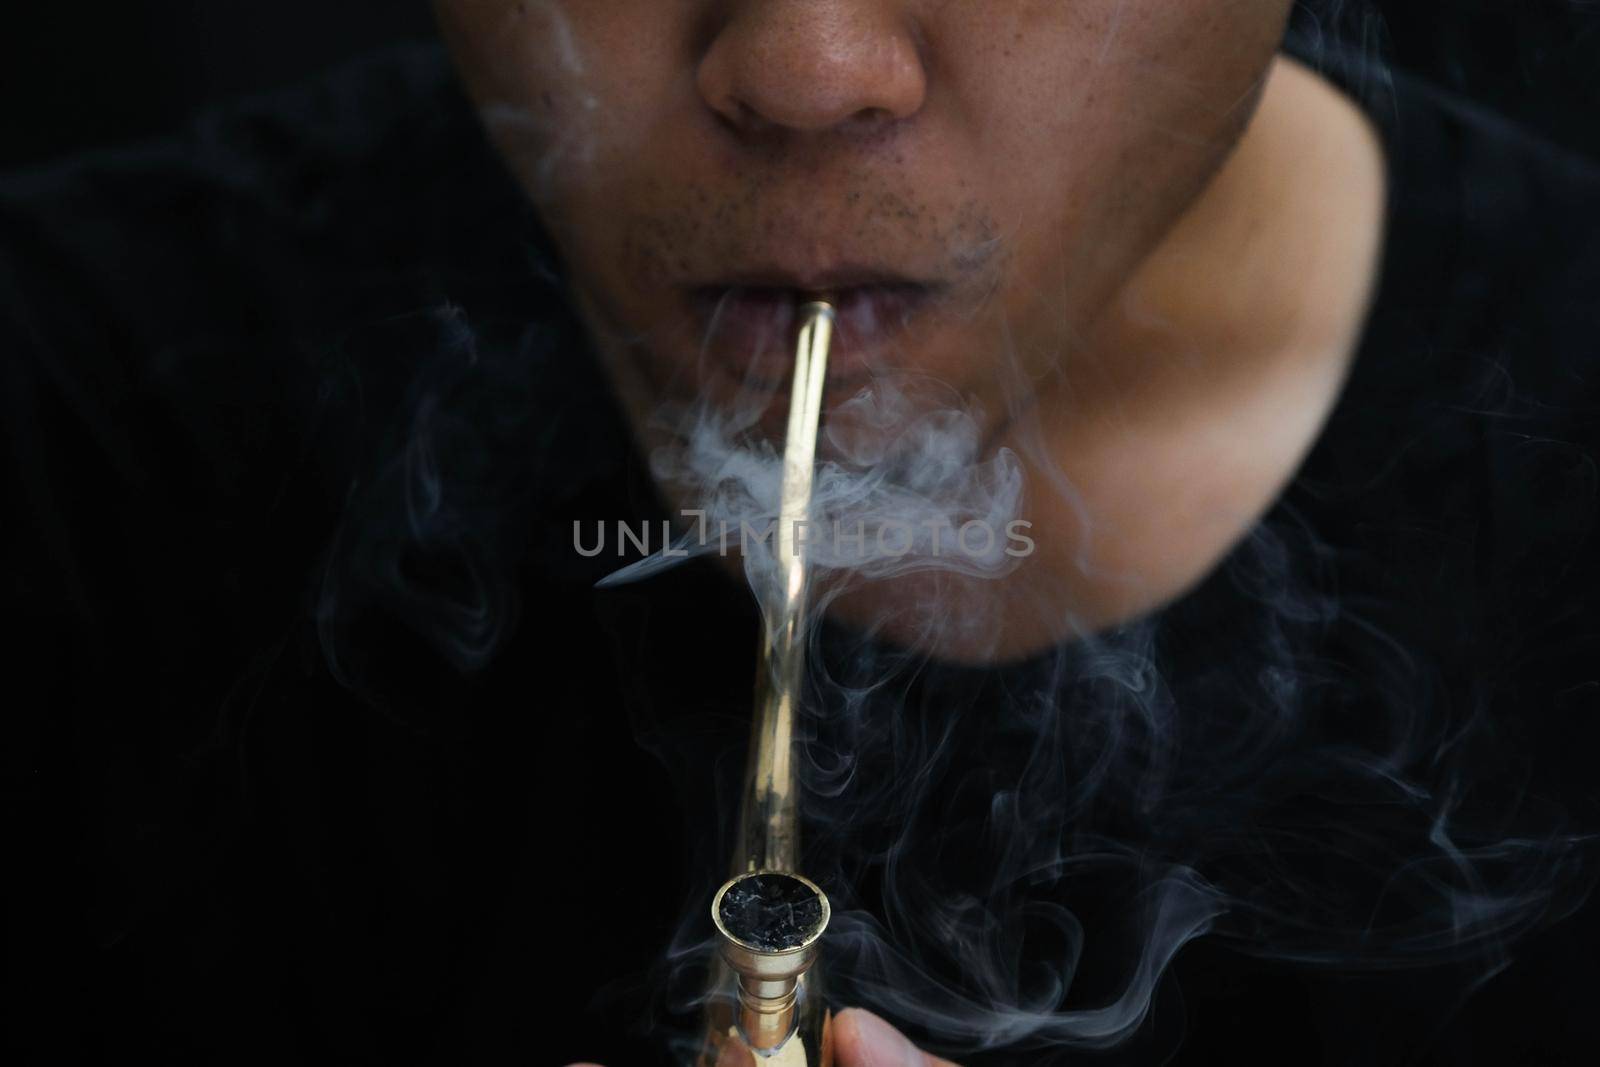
{"x":898,"y":481}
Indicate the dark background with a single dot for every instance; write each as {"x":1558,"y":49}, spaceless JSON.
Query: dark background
{"x":75,"y":76}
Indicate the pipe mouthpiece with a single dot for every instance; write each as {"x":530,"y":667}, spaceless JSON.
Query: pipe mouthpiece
{"x":820,"y":303}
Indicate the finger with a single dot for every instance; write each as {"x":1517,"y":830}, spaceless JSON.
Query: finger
{"x":735,"y":1054}
{"x":861,"y":1039}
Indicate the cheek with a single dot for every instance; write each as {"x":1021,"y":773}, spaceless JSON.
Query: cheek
{"x":1101,"y":123}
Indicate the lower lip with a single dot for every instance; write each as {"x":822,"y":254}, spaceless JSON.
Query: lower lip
{"x":751,"y":331}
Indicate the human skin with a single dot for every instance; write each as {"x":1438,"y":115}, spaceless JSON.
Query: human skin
{"x":1142,"y":246}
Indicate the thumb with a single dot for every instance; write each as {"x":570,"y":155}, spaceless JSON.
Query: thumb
{"x":861,"y":1039}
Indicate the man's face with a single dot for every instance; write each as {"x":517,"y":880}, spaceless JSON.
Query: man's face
{"x":975,"y":179}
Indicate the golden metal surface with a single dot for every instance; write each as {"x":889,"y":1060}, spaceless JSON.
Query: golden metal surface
{"x":769,"y":1007}
{"x":768,"y":832}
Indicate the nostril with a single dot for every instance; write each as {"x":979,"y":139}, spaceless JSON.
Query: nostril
{"x":749,"y":119}
{"x":872,"y":116}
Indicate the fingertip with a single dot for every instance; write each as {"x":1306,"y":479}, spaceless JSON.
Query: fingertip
{"x":735,"y":1054}
{"x":862,"y":1039}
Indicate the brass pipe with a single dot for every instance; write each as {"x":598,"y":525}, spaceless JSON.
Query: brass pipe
{"x":766,"y":999}
{"x":768,"y":836}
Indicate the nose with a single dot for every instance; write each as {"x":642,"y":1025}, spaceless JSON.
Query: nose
{"x":813,"y":65}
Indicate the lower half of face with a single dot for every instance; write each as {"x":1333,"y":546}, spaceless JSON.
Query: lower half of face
{"x":973,"y":182}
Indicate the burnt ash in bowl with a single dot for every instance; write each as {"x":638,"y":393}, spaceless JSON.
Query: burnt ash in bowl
{"x":771,"y":912}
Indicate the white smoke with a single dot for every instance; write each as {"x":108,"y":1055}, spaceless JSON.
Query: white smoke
{"x":902,"y":485}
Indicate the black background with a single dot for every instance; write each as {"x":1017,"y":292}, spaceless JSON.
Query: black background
{"x":75,"y":76}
